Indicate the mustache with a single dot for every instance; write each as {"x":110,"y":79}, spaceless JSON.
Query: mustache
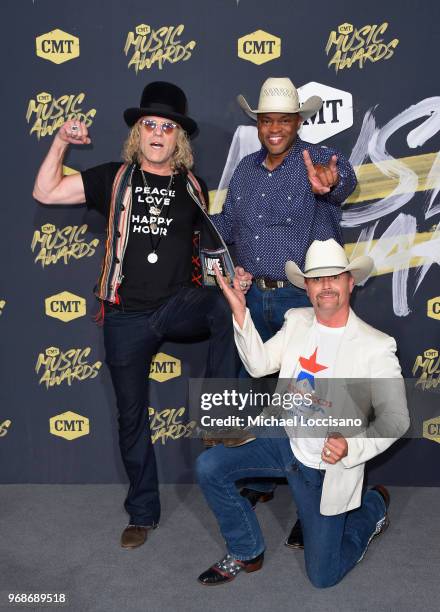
{"x":328,"y":293}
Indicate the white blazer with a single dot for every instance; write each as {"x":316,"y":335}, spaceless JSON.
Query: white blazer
{"x":364,"y":353}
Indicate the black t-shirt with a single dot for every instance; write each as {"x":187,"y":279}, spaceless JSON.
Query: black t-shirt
{"x":163,"y":218}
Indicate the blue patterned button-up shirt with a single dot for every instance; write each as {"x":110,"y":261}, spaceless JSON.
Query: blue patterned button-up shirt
{"x":272,"y":216}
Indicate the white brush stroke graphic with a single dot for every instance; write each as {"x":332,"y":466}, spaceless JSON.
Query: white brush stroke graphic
{"x":395,"y":248}
{"x":395,"y":169}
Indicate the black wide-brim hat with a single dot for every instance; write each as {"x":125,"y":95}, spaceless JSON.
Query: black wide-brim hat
{"x":162,"y":99}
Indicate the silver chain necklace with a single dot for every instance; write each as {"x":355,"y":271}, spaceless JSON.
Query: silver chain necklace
{"x":152,"y":257}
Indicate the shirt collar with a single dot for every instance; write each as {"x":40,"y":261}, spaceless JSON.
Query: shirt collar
{"x":262,"y":153}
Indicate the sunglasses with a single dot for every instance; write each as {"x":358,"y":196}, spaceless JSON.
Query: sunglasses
{"x":151,"y":125}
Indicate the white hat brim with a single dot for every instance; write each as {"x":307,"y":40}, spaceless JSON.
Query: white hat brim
{"x":310,"y":107}
{"x":360,"y":268}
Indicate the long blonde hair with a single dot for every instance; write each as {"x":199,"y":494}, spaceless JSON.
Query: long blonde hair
{"x":182,"y":158}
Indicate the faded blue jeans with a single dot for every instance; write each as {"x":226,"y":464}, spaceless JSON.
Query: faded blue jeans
{"x":332,"y":544}
{"x":268,"y":307}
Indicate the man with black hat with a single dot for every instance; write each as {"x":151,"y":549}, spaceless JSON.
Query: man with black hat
{"x":152,"y":203}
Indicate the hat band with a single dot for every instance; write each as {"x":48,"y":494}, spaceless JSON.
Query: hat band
{"x":277,"y":108}
{"x":325,"y":268}
{"x":160,"y":106}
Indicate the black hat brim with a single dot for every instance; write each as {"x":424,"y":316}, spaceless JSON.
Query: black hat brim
{"x":132,"y":115}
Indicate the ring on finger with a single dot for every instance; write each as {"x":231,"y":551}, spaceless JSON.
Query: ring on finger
{"x":243,"y":284}
{"x":327,"y":452}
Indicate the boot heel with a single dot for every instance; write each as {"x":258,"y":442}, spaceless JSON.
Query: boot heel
{"x":254,"y":567}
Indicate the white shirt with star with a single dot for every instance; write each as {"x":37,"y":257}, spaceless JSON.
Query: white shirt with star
{"x":318,"y":361}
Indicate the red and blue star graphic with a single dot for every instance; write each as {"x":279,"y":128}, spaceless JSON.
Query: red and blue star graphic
{"x":311,"y":367}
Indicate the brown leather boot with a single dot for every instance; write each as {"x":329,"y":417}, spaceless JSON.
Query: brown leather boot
{"x":134,"y":536}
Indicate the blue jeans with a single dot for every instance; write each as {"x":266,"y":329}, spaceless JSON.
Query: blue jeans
{"x":268,"y":307}
{"x":332,"y":544}
{"x":131,"y":340}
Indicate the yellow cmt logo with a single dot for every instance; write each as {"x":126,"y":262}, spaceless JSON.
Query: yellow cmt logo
{"x":164,"y":367}
{"x":259,"y":47}
{"x":430,"y":354}
{"x":57,"y":46}
{"x":431,"y":429}
{"x":65,"y":306}
{"x":44,"y":97}
{"x":143,"y":29}
{"x":52,"y":351}
{"x":433,"y":308}
{"x":69,"y":425}
{"x":345,"y":28}
{"x":48,"y":228}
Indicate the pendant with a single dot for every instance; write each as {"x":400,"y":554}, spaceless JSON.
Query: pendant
{"x":152,"y":257}
{"x":155,"y":211}
{"x":153,"y":226}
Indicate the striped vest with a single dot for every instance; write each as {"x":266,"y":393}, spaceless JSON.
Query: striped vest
{"x":118,"y":229}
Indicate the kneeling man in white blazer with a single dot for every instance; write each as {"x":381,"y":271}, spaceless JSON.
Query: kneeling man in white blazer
{"x":325,"y":472}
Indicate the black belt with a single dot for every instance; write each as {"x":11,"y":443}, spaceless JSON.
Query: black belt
{"x":265,"y":284}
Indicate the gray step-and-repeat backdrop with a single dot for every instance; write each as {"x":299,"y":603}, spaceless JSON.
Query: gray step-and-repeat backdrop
{"x":375,"y":66}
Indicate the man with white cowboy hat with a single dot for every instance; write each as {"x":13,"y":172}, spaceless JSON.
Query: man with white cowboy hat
{"x":324,"y":344}
{"x":279,"y":200}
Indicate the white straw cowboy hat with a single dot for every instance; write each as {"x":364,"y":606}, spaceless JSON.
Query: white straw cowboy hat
{"x":328,"y":258}
{"x":281,"y":96}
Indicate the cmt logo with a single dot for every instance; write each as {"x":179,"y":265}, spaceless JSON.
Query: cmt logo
{"x":335,"y":115}
{"x":431,"y":429}
{"x":143,"y":29}
{"x":69,"y":425}
{"x":259,"y":47}
{"x":433,"y":308}
{"x":52,"y":351}
{"x":57,"y":46}
{"x":345,"y":28}
{"x":164,"y":367}
{"x":65,"y":306}
{"x":44,"y":97}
